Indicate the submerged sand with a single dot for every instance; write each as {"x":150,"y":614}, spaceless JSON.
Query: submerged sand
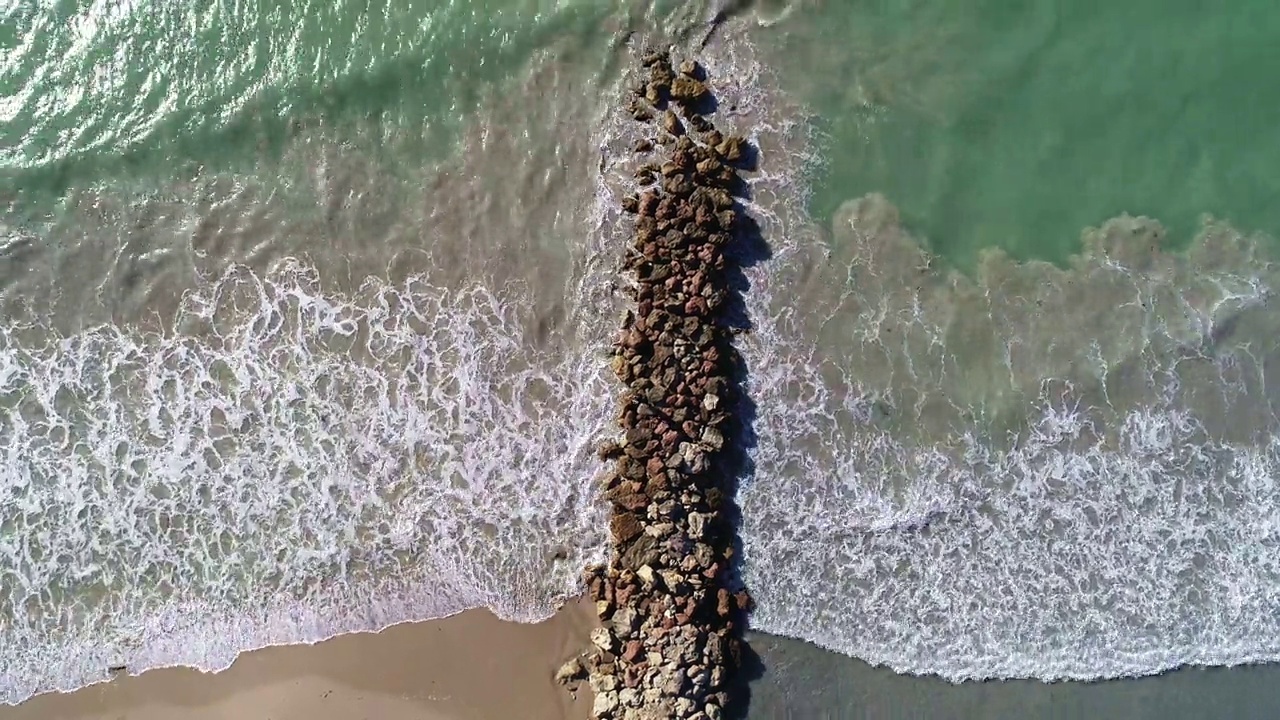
{"x":471,"y":666}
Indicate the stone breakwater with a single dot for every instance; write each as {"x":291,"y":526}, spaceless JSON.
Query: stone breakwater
{"x":669,"y":603}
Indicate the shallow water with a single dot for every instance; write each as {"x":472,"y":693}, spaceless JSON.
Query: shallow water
{"x":306,"y":320}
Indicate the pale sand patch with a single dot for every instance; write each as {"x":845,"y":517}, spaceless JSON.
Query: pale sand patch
{"x":471,"y":666}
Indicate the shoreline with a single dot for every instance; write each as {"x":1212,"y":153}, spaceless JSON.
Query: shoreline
{"x":468,"y":666}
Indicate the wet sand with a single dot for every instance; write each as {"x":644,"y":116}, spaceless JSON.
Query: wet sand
{"x":471,"y":666}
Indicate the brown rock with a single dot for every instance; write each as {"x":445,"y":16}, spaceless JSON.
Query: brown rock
{"x":625,"y":527}
{"x":630,"y":204}
{"x":633,"y":651}
{"x":628,"y":495}
{"x":731,"y":148}
{"x":671,"y":123}
{"x":723,"y":602}
{"x":572,"y":670}
{"x":690,"y":68}
{"x":686,"y":90}
{"x":699,"y":123}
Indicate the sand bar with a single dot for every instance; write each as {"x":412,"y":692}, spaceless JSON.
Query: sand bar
{"x":471,"y":666}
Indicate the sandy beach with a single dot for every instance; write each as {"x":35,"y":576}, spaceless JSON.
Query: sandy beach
{"x":471,"y":666}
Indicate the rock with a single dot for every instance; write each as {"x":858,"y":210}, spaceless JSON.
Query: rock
{"x":601,"y":638}
{"x":697,"y":525}
{"x":604,"y":705}
{"x":723,"y":604}
{"x":713,"y":711}
{"x":603,"y":609}
{"x":639,"y":111}
{"x":732,"y":148}
{"x":712,"y":438}
{"x":686,"y":90}
{"x":699,"y":123}
{"x":690,"y":68}
{"x":711,"y":401}
{"x":572,"y":670}
{"x":645,"y":573}
{"x":603,"y":683}
{"x":625,"y":527}
{"x":660,"y":73}
{"x":653,"y":57}
{"x":643,"y":145}
{"x":628,"y":697}
{"x":655,"y":93}
{"x":625,"y":622}
{"x":631,"y":204}
{"x":643,"y":550}
{"x":609,"y":449}
{"x":633,"y":650}
{"x":671,"y":123}
{"x":627,"y":497}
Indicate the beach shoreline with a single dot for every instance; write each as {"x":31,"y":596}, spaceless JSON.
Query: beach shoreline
{"x":469,"y":666}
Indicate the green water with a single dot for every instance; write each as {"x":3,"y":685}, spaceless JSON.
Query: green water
{"x":134,"y":94}
{"x":1018,"y":124}
{"x":1013,"y":125}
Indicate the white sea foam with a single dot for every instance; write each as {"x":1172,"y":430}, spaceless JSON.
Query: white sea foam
{"x":1032,"y":473}
{"x":290,"y":466}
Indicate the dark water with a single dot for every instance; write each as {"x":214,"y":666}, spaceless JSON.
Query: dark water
{"x":799,"y":681}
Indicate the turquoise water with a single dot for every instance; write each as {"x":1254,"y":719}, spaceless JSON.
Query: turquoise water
{"x":303,"y":311}
{"x":1019,"y":124}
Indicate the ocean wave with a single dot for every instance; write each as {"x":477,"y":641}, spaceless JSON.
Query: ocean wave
{"x":291,"y":466}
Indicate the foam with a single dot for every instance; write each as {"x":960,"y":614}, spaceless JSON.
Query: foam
{"x":1035,"y":472}
{"x":293,"y":466}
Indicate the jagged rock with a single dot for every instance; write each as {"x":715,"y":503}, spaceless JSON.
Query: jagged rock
{"x":625,"y":527}
{"x":633,"y":651}
{"x":631,"y":204}
{"x":690,"y":68}
{"x":731,"y":148}
{"x":604,"y":705}
{"x":645,"y":573}
{"x":625,"y":622}
{"x":661,"y":73}
{"x":687,"y":90}
{"x":712,"y":438}
{"x":571,"y":671}
{"x":643,"y":145}
{"x":724,"y":604}
{"x":643,"y":550}
{"x":653,"y":57}
{"x":671,"y":123}
{"x":601,"y":638}
{"x":699,"y":123}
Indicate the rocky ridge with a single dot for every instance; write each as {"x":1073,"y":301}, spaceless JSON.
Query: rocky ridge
{"x":670,"y":640}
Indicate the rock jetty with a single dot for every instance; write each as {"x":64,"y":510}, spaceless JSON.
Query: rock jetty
{"x":671,"y":616}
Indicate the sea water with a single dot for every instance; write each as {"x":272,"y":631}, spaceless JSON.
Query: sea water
{"x":307,"y":312}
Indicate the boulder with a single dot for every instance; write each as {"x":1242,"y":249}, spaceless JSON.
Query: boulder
{"x":572,"y":670}
{"x":671,"y":123}
{"x":686,"y":90}
{"x":625,"y":527}
{"x":604,"y":640}
{"x":604,"y":705}
{"x":732,"y":148}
